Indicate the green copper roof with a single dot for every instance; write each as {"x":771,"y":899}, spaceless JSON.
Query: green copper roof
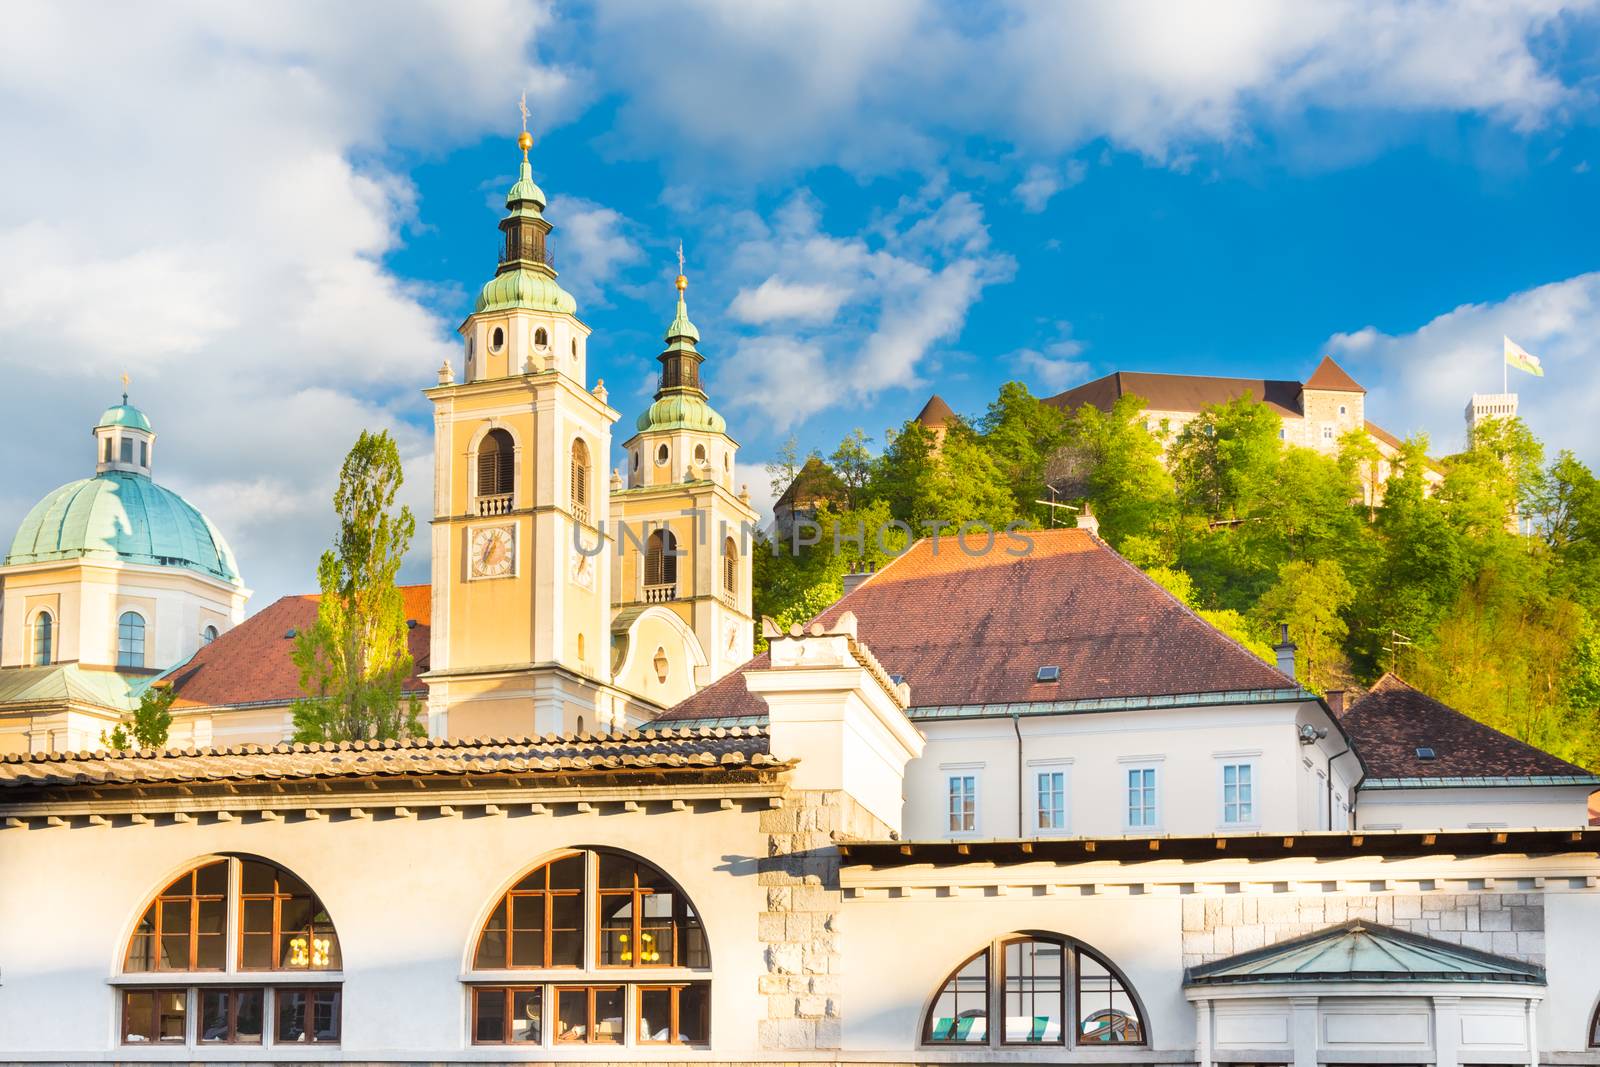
{"x":682,"y":411}
{"x":123,"y":516}
{"x":1361,"y":951}
{"x":681,"y":326}
{"x":124,"y":414}
{"x":64,"y":683}
{"x":525,"y":189}
{"x":524,"y":288}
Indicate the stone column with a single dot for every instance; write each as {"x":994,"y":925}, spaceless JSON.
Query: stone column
{"x":1303,"y":1030}
{"x":1446,"y":1031}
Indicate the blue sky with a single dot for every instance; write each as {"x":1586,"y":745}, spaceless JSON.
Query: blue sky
{"x":877,"y":201}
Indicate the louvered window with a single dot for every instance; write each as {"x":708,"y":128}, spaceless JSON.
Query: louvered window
{"x":496,"y":456}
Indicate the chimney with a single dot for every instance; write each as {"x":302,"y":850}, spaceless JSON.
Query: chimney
{"x":835,"y":709}
{"x":1335,"y":699}
{"x":1087,"y":521}
{"x":859,"y":572}
{"x":1285,"y":650}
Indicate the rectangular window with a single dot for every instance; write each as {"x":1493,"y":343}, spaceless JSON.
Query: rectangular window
{"x":231,"y":1016}
{"x":677,"y":1015}
{"x":144,"y":453}
{"x":309,"y":1015}
{"x":963,"y":803}
{"x":508,"y":1015}
{"x":108,"y":450}
{"x":1035,"y":988}
{"x":155,"y":1016}
{"x":1141,"y":797}
{"x":589,"y":1015}
{"x":1238,"y":794}
{"x":127,"y":450}
{"x":1052,"y":800}
{"x":1327,"y":433}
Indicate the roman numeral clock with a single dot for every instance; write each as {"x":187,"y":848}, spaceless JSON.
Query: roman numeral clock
{"x":493,"y":551}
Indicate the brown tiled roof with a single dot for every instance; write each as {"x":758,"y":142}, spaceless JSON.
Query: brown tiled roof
{"x":936,"y":413}
{"x":590,"y":753}
{"x":1180,"y":392}
{"x":1394,"y":719}
{"x":965,"y":630}
{"x":252,"y":664}
{"x":1332,"y":378}
{"x":814,"y":483}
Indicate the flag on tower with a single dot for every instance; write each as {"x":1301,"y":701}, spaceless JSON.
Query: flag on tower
{"x":1522,"y":359}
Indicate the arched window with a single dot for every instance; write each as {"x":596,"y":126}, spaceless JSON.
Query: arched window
{"x":541,"y":339}
{"x":44,"y":632}
{"x":1040,"y":990}
{"x":1594,"y":1029}
{"x":602,"y":921}
{"x":496,"y":463}
{"x":580,"y":480}
{"x":208,"y":635}
{"x":699,"y":453}
{"x":661,"y":559}
{"x":497,"y":340}
{"x":662,"y":453}
{"x":243,"y":917}
{"x":730,"y":565}
{"x":130,"y":640}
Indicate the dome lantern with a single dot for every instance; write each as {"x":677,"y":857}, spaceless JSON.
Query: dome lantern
{"x":123,"y":439}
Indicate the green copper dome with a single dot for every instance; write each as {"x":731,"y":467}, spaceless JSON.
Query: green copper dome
{"x":524,"y":288}
{"x":682,"y":411}
{"x":681,"y":327}
{"x":121,"y":516}
{"x":124,"y":414}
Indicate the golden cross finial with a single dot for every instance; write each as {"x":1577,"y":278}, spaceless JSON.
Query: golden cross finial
{"x":683,"y":282}
{"x":124,"y":387}
{"x":524,"y":139}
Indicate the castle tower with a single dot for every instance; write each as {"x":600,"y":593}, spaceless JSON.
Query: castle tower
{"x":521,"y":634}
{"x":683,"y":533}
{"x":1485,"y":406}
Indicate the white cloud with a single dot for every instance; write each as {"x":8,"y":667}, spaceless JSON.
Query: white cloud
{"x":878,"y":87}
{"x":592,"y":246}
{"x":1053,"y":369}
{"x":776,"y":300}
{"x":1042,"y":182}
{"x":896,"y":291}
{"x":1421,"y":381}
{"x":182,"y":201}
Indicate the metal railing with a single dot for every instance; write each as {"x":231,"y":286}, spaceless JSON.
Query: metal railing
{"x":495,"y":504}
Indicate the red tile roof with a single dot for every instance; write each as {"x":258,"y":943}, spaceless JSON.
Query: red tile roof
{"x":965,"y":630}
{"x":1331,"y":377}
{"x":251,"y":664}
{"x":1394,"y":719}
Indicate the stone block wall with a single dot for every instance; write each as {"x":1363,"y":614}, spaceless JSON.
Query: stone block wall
{"x":1507,"y":924}
{"x":800,"y":929}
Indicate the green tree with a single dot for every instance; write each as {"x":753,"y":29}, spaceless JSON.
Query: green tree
{"x":852,"y":462}
{"x":1309,"y":597}
{"x":1021,"y":433}
{"x":354,"y":660}
{"x":152,"y":720}
{"x":1225,"y":457}
{"x":1117,"y":464}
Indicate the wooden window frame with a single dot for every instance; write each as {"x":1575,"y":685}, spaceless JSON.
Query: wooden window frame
{"x":128,"y":992}
{"x":730,"y":565}
{"x":233,"y":993}
{"x":277,"y":898}
{"x":681,"y":907}
{"x":194,"y":899}
{"x":580,"y":473}
{"x":549,"y":896}
{"x":508,"y":994}
{"x":307,"y":1014}
{"x":590,"y":1029}
{"x":1115,"y":974}
{"x":504,"y":464}
{"x":641,"y":1035}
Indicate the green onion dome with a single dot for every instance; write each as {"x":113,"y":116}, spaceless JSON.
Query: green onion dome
{"x":122,"y":516}
{"x":682,"y":411}
{"x":523,"y":288}
{"x":124,"y":414}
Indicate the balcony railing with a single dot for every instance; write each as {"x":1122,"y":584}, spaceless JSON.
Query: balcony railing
{"x":495,"y":504}
{"x":660,"y":594}
{"x":580,"y":512}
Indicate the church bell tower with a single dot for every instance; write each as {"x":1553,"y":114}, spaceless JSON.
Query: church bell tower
{"x":521,"y":582}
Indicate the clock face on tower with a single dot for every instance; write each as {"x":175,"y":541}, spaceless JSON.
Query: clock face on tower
{"x":493,"y":551}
